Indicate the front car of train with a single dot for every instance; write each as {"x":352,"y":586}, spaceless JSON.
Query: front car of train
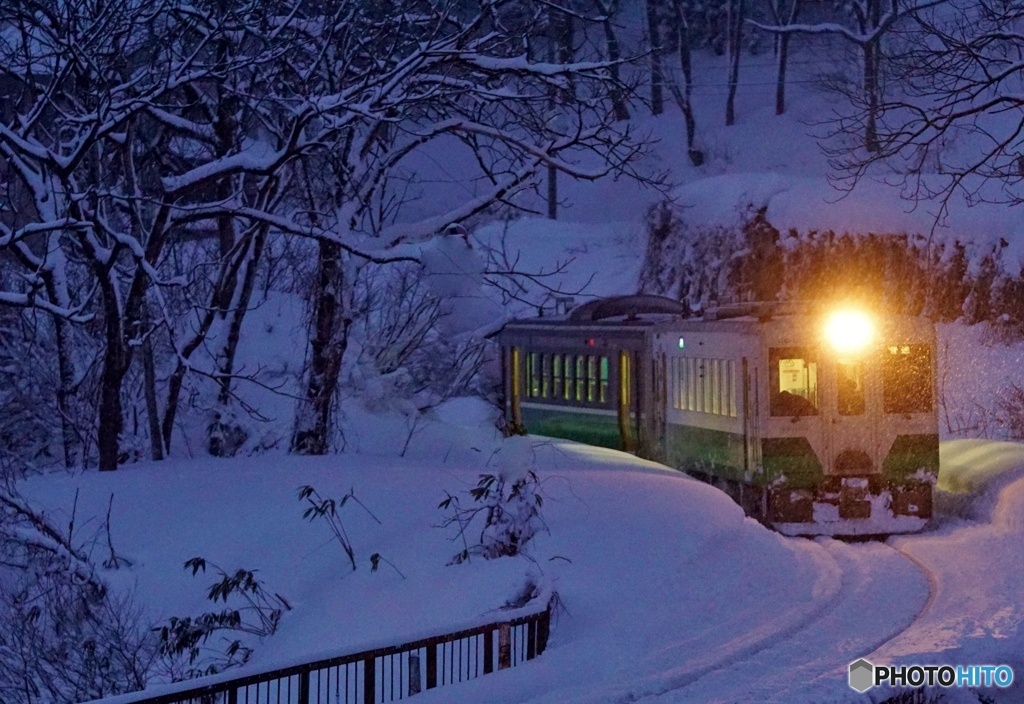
{"x":849,"y":438}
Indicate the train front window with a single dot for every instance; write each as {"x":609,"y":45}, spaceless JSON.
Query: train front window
{"x":850,"y":387}
{"x":793,"y":375}
{"x":907,"y":379}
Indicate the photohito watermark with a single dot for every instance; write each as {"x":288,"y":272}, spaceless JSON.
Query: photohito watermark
{"x":864,"y":675}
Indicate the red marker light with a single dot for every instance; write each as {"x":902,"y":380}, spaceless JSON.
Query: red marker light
{"x":590,"y":342}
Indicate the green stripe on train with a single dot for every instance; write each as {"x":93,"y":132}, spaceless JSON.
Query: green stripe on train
{"x":910,"y":453}
{"x":792,"y":458}
{"x":591,"y":428}
{"x":720,"y":453}
{"x":716,"y":452}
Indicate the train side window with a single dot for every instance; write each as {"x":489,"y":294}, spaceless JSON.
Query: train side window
{"x":673,"y":381}
{"x":716,"y":387}
{"x":591,"y":379}
{"x":733,"y":385}
{"x":532,"y":382}
{"x":849,"y":387}
{"x":691,"y":384}
{"x":545,"y":375}
{"x":570,"y":378}
{"x":907,"y":379}
{"x":700,"y":372}
{"x":793,"y":378}
{"x":556,"y":376}
{"x":603,"y":390}
{"x":709,"y":385}
{"x":680,"y":373}
{"x":728,"y":405}
{"x":580,"y":377}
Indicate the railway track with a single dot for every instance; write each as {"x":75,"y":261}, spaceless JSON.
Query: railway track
{"x":883,"y":593}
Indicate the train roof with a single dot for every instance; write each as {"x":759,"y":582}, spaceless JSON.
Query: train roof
{"x":643,"y":311}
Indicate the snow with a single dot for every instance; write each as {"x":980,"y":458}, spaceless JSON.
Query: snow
{"x":651,"y":558}
{"x":670,"y":593}
{"x":881,"y":522}
{"x":811,"y":203}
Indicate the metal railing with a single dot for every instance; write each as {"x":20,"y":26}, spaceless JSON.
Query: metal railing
{"x":379,"y":675}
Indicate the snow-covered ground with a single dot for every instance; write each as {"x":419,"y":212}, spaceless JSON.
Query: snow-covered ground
{"x":670,"y":593}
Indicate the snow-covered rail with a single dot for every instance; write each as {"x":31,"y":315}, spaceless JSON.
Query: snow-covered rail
{"x":382,"y":674}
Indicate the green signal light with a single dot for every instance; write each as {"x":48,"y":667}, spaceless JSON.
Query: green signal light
{"x":681,"y":343}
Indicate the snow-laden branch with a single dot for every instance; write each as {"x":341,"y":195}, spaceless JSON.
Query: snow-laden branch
{"x":885,"y":22}
{"x":32,"y":300}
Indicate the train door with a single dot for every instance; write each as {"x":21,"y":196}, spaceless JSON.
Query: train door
{"x":851,"y":416}
{"x":625,"y":405}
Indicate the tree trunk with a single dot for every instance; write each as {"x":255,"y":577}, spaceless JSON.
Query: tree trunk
{"x":736,"y":11}
{"x":110,"y":411}
{"x":226,"y":277}
{"x":552,"y":193}
{"x":783,"y":59}
{"x":149,"y":389}
{"x":686,"y":67}
{"x":238,"y":311}
{"x":331,"y":321}
{"x":614,"y":52}
{"x":871,"y":63}
{"x":657,"y":74}
{"x":871,"y":96}
{"x":65,"y":370}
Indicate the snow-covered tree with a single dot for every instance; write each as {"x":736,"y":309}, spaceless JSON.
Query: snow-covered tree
{"x":139,"y":132}
{"x":955,"y":124}
{"x":865,"y":24}
{"x":460,"y":78}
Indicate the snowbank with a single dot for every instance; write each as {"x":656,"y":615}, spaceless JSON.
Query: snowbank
{"x":810,"y":203}
{"x":662,"y":577}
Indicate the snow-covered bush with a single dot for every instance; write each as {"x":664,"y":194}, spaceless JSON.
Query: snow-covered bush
{"x":505,"y":512}
{"x":409,"y":354}
{"x":1011,"y":411}
{"x":183,"y":640}
{"x":901,"y":272}
{"x":64,"y":637}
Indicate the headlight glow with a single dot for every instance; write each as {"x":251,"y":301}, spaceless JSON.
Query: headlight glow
{"x":849,"y":331}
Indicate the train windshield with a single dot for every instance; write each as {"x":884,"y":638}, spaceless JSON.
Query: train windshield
{"x":850,"y":387}
{"x":793,"y":375}
{"x":907,"y":379}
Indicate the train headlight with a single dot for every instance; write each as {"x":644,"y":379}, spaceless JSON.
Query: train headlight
{"x":849,"y":331}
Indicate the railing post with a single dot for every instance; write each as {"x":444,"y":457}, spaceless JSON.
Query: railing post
{"x":531,"y":639}
{"x":369,"y":680}
{"x":414,"y":673}
{"x":304,"y":687}
{"x":431,"y":665}
{"x":488,"y":651}
{"x":504,"y":646}
{"x":543,"y":630}
{"x":233,"y":695}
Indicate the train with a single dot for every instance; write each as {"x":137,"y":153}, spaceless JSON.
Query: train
{"x":816,"y":418}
